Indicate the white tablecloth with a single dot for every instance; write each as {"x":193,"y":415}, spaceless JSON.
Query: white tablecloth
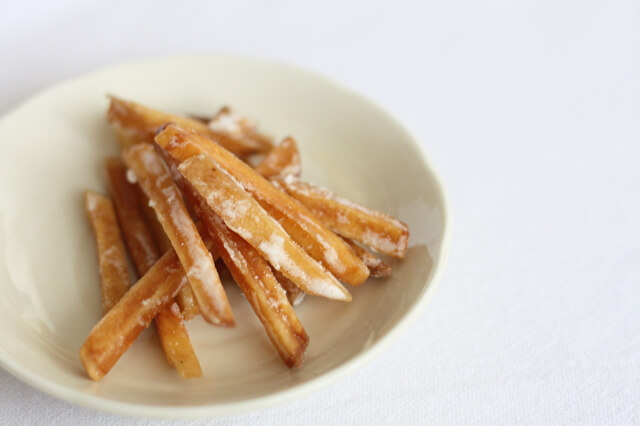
{"x":530,"y":111}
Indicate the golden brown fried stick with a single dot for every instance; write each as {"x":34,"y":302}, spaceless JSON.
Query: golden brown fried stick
{"x":282,"y":160}
{"x":167,"y":202}
{"x":320,"y":242}
{"x":139,"y":242}
{"x":112,"y":257}
{"x":254,"y":276}
{"x":120,"y":327}
{"x":185,"y":299}
{"x":374,"y":229}
{"x":294,"y":293}
{"x":187,"y":303}
{"x":377,"y":266}
{"x":244,"y":216}
{"x":159,"y":237}
{"x":172,"y":333}
{"x":176,"y":343}
{"x":234,"y":125}
{"x":136,"y":123}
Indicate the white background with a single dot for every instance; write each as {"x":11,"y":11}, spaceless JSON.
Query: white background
{"x":531,"y":113}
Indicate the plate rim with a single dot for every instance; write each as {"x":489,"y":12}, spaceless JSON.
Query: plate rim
{"x":297,"y":391}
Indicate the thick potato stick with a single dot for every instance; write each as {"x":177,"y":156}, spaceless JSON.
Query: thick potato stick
{"x":294,"y":293}
{"x":254,"y":276}
{"x":167,"y":202}
{"x":243,"y":215}
{"x":320,"y":242}
{"x":374,"y":229}
{"x":119,"y":328}
{"x":282,"y":160}
{"x":186,"y":301}
{"x":136,"y":123}
{"x":172,"y":333}
{"x":112,"y":257}
{"x":377,"y":267}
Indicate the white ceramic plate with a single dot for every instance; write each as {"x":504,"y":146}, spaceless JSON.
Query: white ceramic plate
{"x":52,"y":148}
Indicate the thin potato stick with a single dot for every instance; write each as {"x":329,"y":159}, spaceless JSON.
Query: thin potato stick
{"x":234,"y":125}
{"x":254,"y":276}
{"x":136,"y":234}
{"x":282,"y":160}
{"x":120,"y":327}
{"x":135,"y":123}
{"x":112,"y":257}
{"x":320,"y":242}
{"x":176,"y":343}
{"x":186,"y":301}
{"x":243,"y":215}
{"x":167,"y":201}
{"x":294,"y":293}
{"x":172,"y":333}
{"x":372,"y":228}
{"x":159,"y":237}
{"x":377,"y":266}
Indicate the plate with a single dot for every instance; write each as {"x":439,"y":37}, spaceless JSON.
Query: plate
{"x":52,"y":149}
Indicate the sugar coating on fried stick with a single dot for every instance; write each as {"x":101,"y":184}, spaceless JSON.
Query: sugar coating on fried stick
{"x":238,"y":126}
{"x":243,"y":215}
{"x":167,"y":202}
{"x":294,"y":293}
{"x":135,"y":123}
{"x":172,"y":333}
{"x":320,"y":242}
{"x":185,"y":298}
{"x":254,"y":276}
{"x":372,"y":228}
{"x":282,"y":160}
{"x":119,"y":328}
{"x":377,"y":266}
{"x":112,"y":257}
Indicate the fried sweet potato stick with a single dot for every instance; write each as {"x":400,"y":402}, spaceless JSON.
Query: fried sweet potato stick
{"x":138,"y":240}
{"x":119,"y":328}
{"x":377,"y":267}
{"x":374,"y":229}
{"x":185,"y":298}
{"x":176,"y":343}
{"x":172,"y":333}
{"x":294,"y":293}
{"x":136,"y":123}
{"x":187,"y":303}
{"x":112,"y":257}
{"x":167,"y":202}
{"x":234,"y":125}
{"x":320,"y":242}
{"x":282,"y":160}
{"x":243,"y":215}
{"x":254,"y":276}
